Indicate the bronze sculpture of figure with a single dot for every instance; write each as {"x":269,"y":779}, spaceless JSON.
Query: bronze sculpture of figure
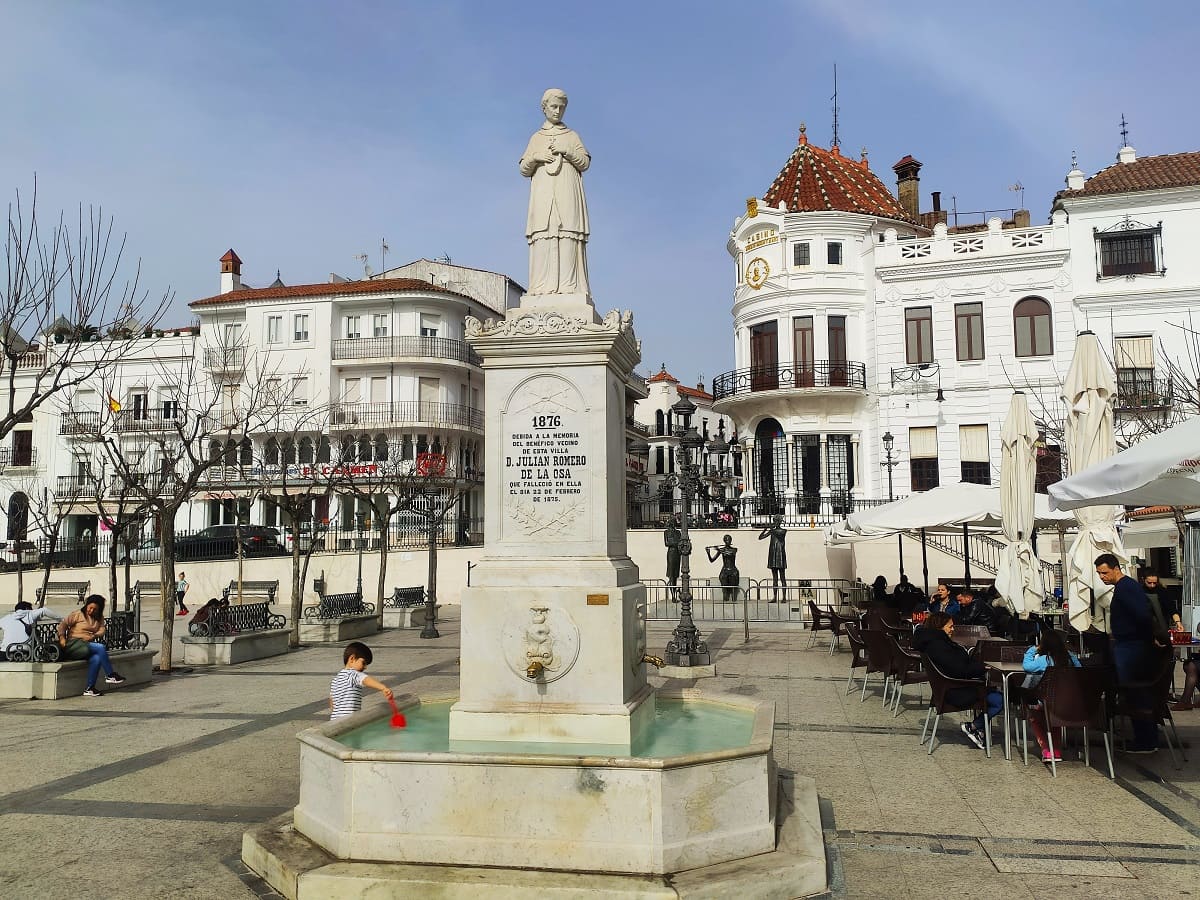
{"x":671,"y":541}
{"x":776,"y":557}
{"x":729,"y":572}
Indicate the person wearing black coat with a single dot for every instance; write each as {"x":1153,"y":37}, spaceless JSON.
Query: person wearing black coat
{"x":934,"y":640}
{"x":973,"y":610}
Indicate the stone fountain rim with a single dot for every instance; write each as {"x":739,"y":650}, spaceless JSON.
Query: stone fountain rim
{"x":323,"y":738}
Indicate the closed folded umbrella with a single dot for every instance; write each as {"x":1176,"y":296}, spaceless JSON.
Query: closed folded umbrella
{"x":1018,"y":577}
{"x":1088,"y":391}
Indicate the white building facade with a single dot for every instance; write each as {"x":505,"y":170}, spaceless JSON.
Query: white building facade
{"x":868,"y":332}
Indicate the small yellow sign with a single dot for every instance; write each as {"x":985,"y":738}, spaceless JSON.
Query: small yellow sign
{"x":597,"y":599}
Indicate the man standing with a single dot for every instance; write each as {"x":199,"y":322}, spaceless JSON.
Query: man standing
{"x":1168,"y":598}
{"x":181,"y":588}
{"x":1132,"y":642}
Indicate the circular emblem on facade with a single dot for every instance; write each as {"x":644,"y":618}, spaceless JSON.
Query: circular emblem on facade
{"x":756,"y":272}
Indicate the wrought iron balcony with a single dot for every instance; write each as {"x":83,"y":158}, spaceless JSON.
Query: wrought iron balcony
{"x":13,"y":459}
{"x":147,"y":419}
{"x":405,"y":346}
{"x":71,"y":487}
{"x":225,"y":359}
{"x":79,"y":423}
{"x":1143,"y":394}
{"x":404,"y":412}
{"x":820,"y":374}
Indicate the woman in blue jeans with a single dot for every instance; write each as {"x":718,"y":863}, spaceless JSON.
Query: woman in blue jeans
{"x":935,"y":639}
{"x":79,"y":635}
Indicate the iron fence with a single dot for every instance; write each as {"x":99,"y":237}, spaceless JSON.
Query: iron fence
{"x":756,"y":600}
{"x":822,"y":373}
{"x":711,"y":511}
{"x":408,"y":533}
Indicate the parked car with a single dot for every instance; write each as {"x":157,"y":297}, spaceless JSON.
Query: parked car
{"x":220,"y":542}
{"x":72,"y":553}
{"x":148,"y":550}
{"x":11,"y":551}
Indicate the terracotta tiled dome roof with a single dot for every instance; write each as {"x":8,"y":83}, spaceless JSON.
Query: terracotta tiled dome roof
{"x":819,"y":180}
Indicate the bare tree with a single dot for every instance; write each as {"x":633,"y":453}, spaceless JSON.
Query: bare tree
{"x":63,"y":284}
{"x":164,"y":456}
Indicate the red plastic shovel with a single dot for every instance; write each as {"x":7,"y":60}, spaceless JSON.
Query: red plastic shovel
{"x":398,"y":720}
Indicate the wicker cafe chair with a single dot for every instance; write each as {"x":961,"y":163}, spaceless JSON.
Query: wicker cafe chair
{"x":1071,"y":698}
{"x":819,"y":620}
{"x":906,"y":668}
{"x":1159,"y":691}
{"x":858,"y":650}
{"x":879,"y":660}
{"x":939,"y":704}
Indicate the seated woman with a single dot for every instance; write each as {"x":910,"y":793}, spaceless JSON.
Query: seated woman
{"x":952,"y":660}
{"x":79,"y":635}
{"x":205,"y":614}
{"x":1050,"y":651}
{"x":942,"y":600}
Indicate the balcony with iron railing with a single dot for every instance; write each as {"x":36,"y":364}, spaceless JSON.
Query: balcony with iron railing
{"x":13,"y":460}
{"x":84,"y":423}
{"x":404,"y":347}
{"x":147,"y":419}
{"x":225,"y":359}
{"x":404,"y":413}
{"x":1143,"y":394}
{"x":72,"y":487}
{"x":819,"y":375}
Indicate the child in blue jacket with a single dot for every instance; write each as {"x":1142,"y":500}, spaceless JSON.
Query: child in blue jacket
{"x":1049,"y":651}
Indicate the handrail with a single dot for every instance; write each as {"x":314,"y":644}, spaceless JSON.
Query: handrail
{"x":823,"y":373}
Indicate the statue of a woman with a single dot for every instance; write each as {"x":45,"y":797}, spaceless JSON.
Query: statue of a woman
{"x":671,"y":541}
{"x":557,"y":228}
{"x":776,"y":556}
{"x":729,"y":572}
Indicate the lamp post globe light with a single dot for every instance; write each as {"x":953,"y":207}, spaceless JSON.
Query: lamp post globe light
{"x":686,"y":647}
{"x":889,"y":441}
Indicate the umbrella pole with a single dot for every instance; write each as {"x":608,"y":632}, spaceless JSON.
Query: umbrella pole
{"x":900,"y":545}
{"x":966,"y":557}
{"x":924,"y":563}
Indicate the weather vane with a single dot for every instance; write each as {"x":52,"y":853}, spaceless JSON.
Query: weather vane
{"x":1124,"y":131}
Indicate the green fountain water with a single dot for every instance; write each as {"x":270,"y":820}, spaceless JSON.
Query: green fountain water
{"x":679,"y":727}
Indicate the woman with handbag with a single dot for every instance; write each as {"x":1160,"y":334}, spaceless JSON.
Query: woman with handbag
{"x":79,"y":637}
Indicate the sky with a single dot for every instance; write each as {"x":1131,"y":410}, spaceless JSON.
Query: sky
{"x":302,"y":134}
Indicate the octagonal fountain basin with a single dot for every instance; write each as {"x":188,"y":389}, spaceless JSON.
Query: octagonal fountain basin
{"x":697,"y":788}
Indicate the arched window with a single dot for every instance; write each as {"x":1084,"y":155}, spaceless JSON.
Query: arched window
{"x":1032,"y":327}
{"x":306,"y":450}
{"x":271,"y":452}
{"x":231,"y":452}
{"x":247,"y":452}
{"x":323,"y":451}
{"x":18,"y":517}
{"x":660,"y":423}
{"x":381,"y":448}
{"x":364,"y":447}
{"x":288,"y":452}
{"x":346,"y":450}
{"x":214,"y":451}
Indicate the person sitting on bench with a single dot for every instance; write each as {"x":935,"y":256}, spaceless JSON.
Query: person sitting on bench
{"x":17,"y":626}
{"x":79,"y":635}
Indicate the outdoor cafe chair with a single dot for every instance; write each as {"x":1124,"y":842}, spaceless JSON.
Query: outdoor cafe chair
{"x":1071,"y":698}
{"x":838,"y":630}
{"x":880,"y":617}
{"x":1159,"y":691}
{"x":940,"y":687}
{"x":902,"y":632}
{"x":879,"y":660}
{"x":906,"y":668}
{"x":858,"y":658}
{"x":1000,"y":651}
{"x":819,"y":620}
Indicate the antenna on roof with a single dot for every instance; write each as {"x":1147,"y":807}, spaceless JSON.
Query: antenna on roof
{"x":1019,"y":188}
{"x":444,"y":259}
{"x":383,"y":252}
{"x":836,"y":140}
{"x":1124,"y":131}
{"x":364,"y":259}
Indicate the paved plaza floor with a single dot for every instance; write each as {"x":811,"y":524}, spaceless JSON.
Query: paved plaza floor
{"x":145,"y":792}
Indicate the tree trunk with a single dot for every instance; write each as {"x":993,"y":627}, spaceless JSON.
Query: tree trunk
{"x":297,"y":604}
{"x":430,"y":629}
{"x":112,"y":571}
{"x":383,"y":557}
{"x":166,"y":583}
{"x":241,"y":558}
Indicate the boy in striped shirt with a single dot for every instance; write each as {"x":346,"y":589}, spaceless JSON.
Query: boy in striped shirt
{"x":345,"y":692}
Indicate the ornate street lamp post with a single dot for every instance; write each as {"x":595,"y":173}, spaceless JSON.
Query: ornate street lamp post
{"x":890,"y":463}
{"x":685,"y":647}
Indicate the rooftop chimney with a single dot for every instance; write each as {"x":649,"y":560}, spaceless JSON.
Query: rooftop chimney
{"x":1126,"y":155}
{"x":908,"y":183}
{"x":231,"y":272}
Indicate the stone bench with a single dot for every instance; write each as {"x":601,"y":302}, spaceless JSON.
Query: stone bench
{"x":405,"y":608}
{"x":235,"y":634}
{"x":338,"y":618}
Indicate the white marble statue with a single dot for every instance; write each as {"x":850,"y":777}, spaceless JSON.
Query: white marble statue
{"x":557,"y":228}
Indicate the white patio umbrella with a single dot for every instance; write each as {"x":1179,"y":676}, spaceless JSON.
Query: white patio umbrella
{"x":1088,"y":392}
{"x":1018,"y":577}
{"x":1162,"y":470}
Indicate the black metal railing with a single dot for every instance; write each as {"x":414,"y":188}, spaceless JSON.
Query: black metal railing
{"x":1138,"y":394}
{"x":405,"y":412}
{"x":147,"y":419}
{"x":755,"y":600}
{"x":69,"y":487}
{"x":73,"y":422}
{"x":804,"y":510}
{"x":409,"y":533}
{"x":11,"y":458}
{"x":822,"y":373}
{"x":405,"y":346}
